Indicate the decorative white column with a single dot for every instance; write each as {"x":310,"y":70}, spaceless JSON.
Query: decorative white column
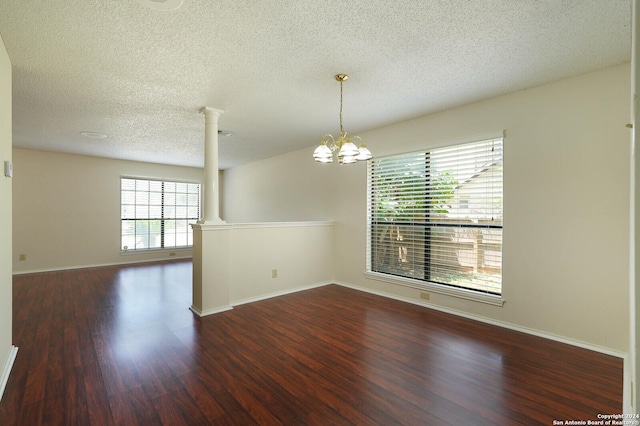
{"x":211,"y":236}
{"x":211,"y":191}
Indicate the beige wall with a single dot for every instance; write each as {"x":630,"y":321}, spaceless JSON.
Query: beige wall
{"x":566,"y":208}
{"x":283,"y":188}
{"x":5,"y":217}
{"x":258,"y":249}
{"x":67,"y":209}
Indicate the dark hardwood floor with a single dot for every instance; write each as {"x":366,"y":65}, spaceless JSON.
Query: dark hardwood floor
{"x":119,"y":346}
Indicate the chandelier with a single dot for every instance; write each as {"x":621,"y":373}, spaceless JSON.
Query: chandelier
{"x":348,"y":152}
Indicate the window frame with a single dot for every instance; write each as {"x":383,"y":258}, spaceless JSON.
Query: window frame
{"x":424,"y":283}
{"x":164,"y":218}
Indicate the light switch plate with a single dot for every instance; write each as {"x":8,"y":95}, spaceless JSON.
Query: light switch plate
{"x":8,"y":169}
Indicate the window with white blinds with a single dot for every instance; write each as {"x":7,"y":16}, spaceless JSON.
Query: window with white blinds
{"x":436,"y":216}
{"x":157,"y":214}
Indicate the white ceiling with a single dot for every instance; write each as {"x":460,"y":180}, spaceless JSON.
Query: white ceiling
{"x":140,"y":75}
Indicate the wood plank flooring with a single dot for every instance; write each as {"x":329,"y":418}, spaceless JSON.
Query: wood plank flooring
{"x":118,"y":346}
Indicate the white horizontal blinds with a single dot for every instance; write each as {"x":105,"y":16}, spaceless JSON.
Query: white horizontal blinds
{"x":466,"y":236}
{"x":398,"y":212}
{"x":437,"y":216}
{"x":157,"y":214}
{"x":136,"y":209}
{"x":182,"y":208}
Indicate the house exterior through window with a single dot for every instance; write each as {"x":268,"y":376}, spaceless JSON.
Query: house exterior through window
{"x":436,"y":216}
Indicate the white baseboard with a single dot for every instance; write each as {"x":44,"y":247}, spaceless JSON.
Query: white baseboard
{"x":278,"y":293}
{"x":209,"y":311}
{"x":254,"y":299}
{"x":101,"y":265}
{"x":7,"y":370}
{"x":627,"y":404}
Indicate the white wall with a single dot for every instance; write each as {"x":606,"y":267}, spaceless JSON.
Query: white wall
{"x":566,"y":208}
{"x":7,"y":351}
{"x":67,"y":209}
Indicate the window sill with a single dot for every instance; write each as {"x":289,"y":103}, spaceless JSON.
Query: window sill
{"x":155,"y":250}
{"x":437,"y":288}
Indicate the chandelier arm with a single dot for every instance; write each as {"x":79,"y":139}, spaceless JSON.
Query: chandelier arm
{"x":329,"y":141}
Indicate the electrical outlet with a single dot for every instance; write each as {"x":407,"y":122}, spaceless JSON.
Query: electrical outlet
{"x":274,"y":273}
{"x":424,"y":295}
{"x":173,"y":253}
{"x":22,"y":257}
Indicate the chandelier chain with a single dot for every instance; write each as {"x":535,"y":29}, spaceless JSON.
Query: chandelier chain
{"x":341,"y":129}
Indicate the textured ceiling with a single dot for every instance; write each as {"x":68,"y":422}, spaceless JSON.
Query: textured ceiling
{"x":140,"y":75}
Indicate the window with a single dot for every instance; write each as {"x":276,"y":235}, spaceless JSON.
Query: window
{"x":435,"y":217}
{"x":157,"y":214}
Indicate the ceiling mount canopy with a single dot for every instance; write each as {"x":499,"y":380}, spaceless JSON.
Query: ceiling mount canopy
{"x":347,"y":151}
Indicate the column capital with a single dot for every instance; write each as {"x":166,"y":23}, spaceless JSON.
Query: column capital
{"x":208,"y":110}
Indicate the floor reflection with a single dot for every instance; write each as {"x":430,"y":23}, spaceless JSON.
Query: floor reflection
{"x":150,"y":309}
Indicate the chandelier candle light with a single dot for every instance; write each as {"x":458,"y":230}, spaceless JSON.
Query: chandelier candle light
{"x":348,"y":152}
